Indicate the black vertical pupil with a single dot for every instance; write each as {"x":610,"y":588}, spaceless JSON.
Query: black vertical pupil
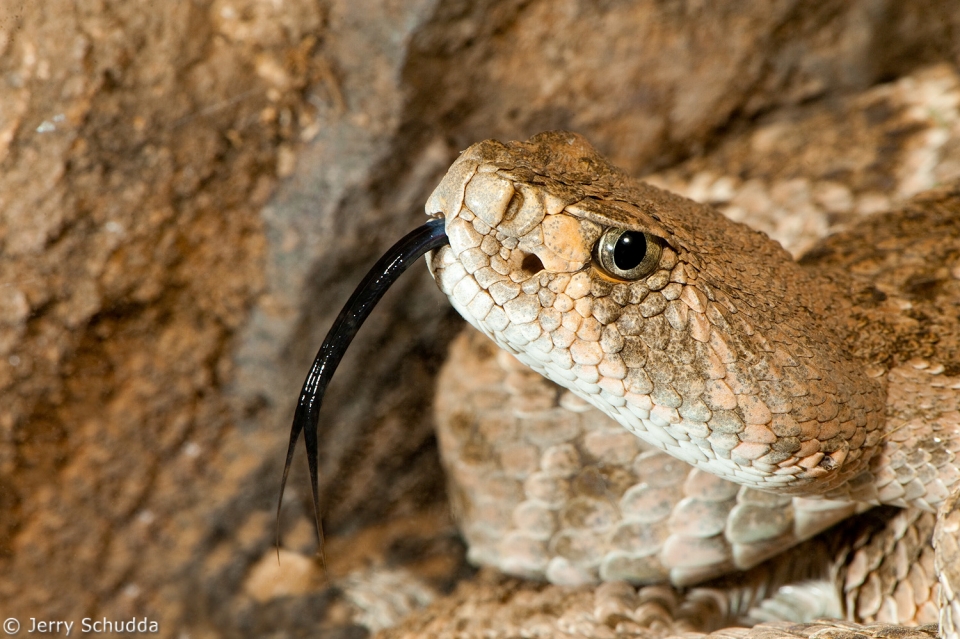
{"x":629,"y":250}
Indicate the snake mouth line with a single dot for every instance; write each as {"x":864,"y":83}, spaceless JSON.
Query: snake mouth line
{"x":371,"y":289}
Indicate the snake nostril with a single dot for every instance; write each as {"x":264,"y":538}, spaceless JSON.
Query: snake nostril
{"x":531,"y":264}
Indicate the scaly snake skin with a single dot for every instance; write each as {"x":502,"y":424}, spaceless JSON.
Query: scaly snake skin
{"x":820,"y":388}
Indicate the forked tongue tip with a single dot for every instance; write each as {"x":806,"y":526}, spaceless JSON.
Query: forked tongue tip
{"x":375,"y":283}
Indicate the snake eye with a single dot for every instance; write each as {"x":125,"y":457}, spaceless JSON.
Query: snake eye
{"x":628,"y":255}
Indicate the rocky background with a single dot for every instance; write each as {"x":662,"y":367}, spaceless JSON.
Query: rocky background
{"x":190,"y":190}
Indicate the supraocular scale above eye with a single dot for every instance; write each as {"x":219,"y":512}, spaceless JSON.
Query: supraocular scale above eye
{"x":627,"y":255}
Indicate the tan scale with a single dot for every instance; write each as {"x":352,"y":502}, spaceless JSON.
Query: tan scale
{"x":800,"y":382}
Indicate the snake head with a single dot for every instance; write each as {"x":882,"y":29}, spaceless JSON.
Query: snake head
{"x":698,"y":334}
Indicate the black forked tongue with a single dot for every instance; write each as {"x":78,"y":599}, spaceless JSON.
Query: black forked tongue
{"x":384,"y":273}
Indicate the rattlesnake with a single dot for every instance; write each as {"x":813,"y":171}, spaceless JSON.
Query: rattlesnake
{"x":832,"y":380}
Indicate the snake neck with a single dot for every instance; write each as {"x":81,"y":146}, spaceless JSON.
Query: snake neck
{"x":899,"y":288}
